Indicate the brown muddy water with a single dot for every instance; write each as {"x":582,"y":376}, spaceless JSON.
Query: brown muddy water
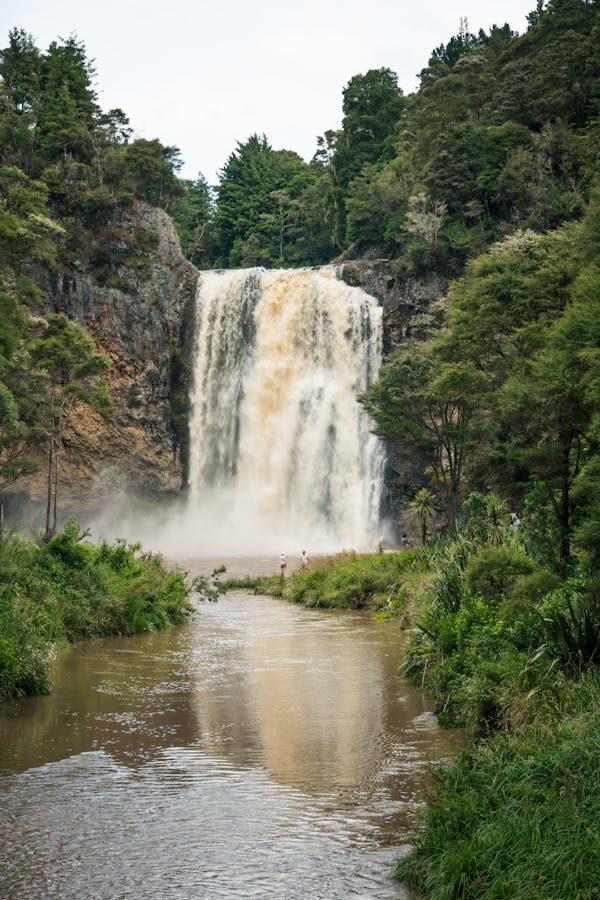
{"x":263,"y":750}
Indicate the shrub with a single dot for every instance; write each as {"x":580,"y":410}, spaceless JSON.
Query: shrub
{"x":494,"y":571}
{"x":352,"y":581}
{"x":517,"y":816}
{"x":70,"y":589}
{"x":571,"y":622}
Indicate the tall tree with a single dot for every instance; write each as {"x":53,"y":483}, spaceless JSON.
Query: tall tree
{"x":66,"y":356}
{"x":69,"y":109}
{"x":372,"y":106}
{"x":257,"y":204}
{"x":431,"y":411}
{"x":20,"y":96}
{"x":193,"y":214}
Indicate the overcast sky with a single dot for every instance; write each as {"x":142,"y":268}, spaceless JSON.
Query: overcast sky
{"x":204,"y":75}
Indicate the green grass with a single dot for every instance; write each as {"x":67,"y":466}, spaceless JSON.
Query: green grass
{"x":259,"y":584}
{"x":518,"y":815}
{"x":68,"y":590}
{"x":353,"y":581}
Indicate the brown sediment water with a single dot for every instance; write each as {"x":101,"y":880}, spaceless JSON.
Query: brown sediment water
{"x":263,"y":750}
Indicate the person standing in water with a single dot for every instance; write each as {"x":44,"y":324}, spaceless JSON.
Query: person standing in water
{"x":283,"y":563}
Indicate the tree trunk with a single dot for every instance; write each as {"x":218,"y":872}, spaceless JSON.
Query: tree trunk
{"x":54,"y":499}
{"x":48,"y":533}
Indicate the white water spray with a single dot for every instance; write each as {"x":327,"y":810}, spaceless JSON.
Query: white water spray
{"x":281,"y":454}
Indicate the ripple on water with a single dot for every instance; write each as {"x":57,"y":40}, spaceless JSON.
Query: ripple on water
{"x":184,"y":825}
{"x":264,"y":751}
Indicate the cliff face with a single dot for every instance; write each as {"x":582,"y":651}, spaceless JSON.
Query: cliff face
{"x":408,"y":303}
{"x":135,"y":292}
{"x":410,"y":308}
{"x":141,"y":315}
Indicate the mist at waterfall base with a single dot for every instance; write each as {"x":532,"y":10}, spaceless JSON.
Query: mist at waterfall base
{"x":282,"y":457}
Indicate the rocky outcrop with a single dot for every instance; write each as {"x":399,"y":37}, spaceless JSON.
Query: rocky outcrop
{"x":411,"y":307}
{"x":409,"y":304}
{"x":134,"y":292}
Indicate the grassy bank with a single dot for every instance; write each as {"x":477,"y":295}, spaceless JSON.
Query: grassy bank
{"x":509,"y":650}
{"x":68,"y":590}
{"x":378,"y":581}
{"x":518,"y":815}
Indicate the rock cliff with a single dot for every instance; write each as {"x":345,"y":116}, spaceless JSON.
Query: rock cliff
{"x":409,"y":304}
{"x":410,"y":309}
{"x":138,"y":306}
{"x":134,"y":291}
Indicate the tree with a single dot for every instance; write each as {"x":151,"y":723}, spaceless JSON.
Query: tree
{"x":16,"y":434}
{"x":459,"y":45}
{"x":193,"y":214}
{"x":149,"y":171}
{"x":65,"y":355}
{"x":423,"y":506}
{"x":430,"y":409}
{"x":553,"y":398}
{"x":26,"y":229}
{"x":69,"y":109}
{"x":372,"y":105}
{"x":377,"y":202}
{"x":20,"y":92}
{"x":257,"y":210}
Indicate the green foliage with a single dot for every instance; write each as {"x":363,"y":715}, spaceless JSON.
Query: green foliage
{"x":149,"y":172}
{"x":507,"y":393}
{"x":210,"y":588}
{"x":517,"y":816}
{"x":480,"y":622}
{"x":571,"y":621}
{"x":193,"y":214}
{"x":70,"y":589}
{"x":423,"y":505}
{"x":352,"y":581}
{"x":492,"y":572}
{"x":259,"y":219}
{"x":52,"y":129}
{"x":430,"y":410}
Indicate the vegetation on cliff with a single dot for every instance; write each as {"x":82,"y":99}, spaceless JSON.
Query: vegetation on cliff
{"x":68,"y":171}
{"x":69,"y":589}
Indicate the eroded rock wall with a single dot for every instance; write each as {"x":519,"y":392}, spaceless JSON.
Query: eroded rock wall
{"x":411,"y":307}
{"x":141,"y":315}
{"x":409,"y":304}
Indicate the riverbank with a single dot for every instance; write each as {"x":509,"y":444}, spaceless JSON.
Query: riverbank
{"x":379,"y":581}
{"x":69,"y":590}
{"x":508,"y":651}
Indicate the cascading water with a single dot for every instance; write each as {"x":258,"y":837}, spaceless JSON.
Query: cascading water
{"x":281,"y":453}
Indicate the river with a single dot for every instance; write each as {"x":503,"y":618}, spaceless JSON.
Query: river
{"x":263,"y":750}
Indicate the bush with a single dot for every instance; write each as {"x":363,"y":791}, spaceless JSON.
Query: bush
{"x":70,"y":589}
{"x":519,"y":815}
{"x":351,"y":581}
{"x":571,"y":622}
{"x":493,"y":572}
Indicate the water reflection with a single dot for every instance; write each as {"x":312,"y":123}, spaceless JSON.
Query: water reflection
{"x":264,"y":750}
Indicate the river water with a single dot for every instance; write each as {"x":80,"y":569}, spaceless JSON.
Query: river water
{"x":263,"y":750}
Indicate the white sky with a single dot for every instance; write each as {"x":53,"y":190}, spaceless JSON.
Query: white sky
{"x":204,"y":75}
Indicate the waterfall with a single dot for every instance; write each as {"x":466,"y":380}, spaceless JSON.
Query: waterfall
{"x":281,"y":453}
